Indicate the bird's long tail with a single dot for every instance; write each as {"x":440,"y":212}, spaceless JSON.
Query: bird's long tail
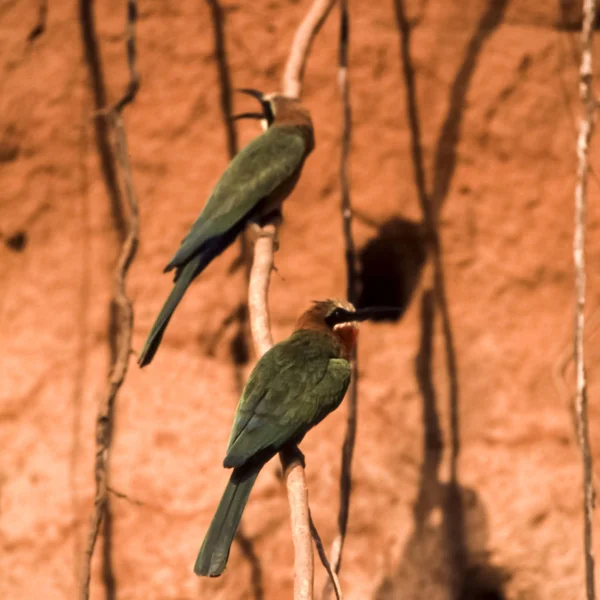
{"x":186,"y":275}
{"x":213,"y":555}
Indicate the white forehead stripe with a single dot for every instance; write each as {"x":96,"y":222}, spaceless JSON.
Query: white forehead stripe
{"x":345,"y":305}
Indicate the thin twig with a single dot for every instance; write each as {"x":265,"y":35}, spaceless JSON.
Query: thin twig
{"x":585,"y":133}
{"x":124,"y":319}
{"x":259,"y":316}
{"x":352,"y":292}
{"x":124,"y":496}
{"x":134,"y":77}
{"x":324,"y":560}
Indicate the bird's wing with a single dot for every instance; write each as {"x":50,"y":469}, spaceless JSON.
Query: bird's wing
{"x":256,"y":171}
{"x":291,"y":389}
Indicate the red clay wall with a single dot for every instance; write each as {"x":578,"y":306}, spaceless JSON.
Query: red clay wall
{"x":496,"y":93}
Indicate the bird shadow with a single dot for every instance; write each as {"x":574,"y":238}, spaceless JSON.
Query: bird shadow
{"x":447,"y":548}
{"x":390,"y":266}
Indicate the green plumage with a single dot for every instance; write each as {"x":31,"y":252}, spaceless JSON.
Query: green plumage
{"x":294,"y":386}
{"x":263,"y":167}
{"x":214,"y":553}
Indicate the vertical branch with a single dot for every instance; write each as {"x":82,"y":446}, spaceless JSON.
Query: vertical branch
{"x":129,"y":95}
{"x":260,"y":323}
{"x":292,"y":462}
{"x":306,"y":33}
{"x":258,"y":289}
{"x":344,"y":85}
{"x":352,"y":292}
{"x":124,"y":310}
{"x":585,"y":133}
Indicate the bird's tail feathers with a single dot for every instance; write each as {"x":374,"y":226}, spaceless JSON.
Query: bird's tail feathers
{"x":186,"y":269}
{"x":182,"y":281}
{"x":214,"y":552}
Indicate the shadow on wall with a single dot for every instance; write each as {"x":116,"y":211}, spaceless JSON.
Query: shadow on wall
{"x":446,"y":556}
{"x":570,"y":15}
{"x":390,"y":265}
{"x":239,"y":348}
{"x":427,"y":566}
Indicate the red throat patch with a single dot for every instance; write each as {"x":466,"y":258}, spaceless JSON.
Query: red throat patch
{"x":347,"y":337}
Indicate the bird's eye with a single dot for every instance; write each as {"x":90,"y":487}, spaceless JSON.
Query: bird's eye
{"x":335,"y":316}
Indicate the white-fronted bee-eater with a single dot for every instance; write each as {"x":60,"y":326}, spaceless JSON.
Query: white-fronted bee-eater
{"x":252,"y":187}
{"x":292,"y":388}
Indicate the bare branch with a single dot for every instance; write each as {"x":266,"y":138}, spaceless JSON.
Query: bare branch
{"x":260,"y":275}
{"x":352,"y":292}
{"x":306,"y":33}
{"x":124,"y":319}
{"x":324,"y":560}
{"x":585,"y":133}
{"x":124,"y":496}
{"x":292,"y":462}
{"x":134,"y":77}
{"x":259,"y":316}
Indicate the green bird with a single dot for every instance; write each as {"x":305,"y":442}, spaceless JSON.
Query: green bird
{"x":292,"y":388}
{"x":251,"y":189}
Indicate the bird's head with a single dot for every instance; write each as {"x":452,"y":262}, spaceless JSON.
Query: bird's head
{"x":278,"y":109}
{"x":334,"y":317}
{"x":340,"y":319}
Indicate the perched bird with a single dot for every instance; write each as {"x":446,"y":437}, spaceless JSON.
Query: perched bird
{"x":294,"y":386}
{"x":252,"y":187}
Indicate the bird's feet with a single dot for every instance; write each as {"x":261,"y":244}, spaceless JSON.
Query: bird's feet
{"x":291,"y":454}
{"x":266,"y":227}
{"x":273,"y":217}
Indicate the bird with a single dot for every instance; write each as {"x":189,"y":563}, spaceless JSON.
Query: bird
{"x":251,"y":189}
{"x":292,"y":388}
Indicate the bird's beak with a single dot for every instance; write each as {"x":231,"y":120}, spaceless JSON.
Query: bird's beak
{"x":267,"y":114}
{"x":364,"y":314}
{"x":248,"y":115}
{"x":250,"y":92}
